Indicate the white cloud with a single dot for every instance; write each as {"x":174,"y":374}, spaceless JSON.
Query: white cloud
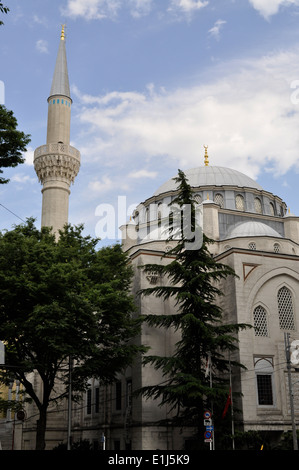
{"x":185,"y":7}
{"x":268,"y":8}
{"x":140,"y":7}
{"x":42,"y":46}
{"x":107,"y":184}
{"x":109,"y":98}
{"x":42,"y":21}
{"x":215,"y":30}
{"x":188,"y":5}
{"x":142,"y":174}
{"x":100,"y":186}
{"x":28,"y":155}
{"x":22,"y":178}
{"x":99,"y":9}
{"x":246,"y":117}
{"x":91,"y":9}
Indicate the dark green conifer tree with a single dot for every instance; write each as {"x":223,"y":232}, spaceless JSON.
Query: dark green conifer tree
{"x":192,"y":278}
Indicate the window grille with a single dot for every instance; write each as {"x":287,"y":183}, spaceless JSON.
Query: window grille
{"x":285,"y":309}
{"x":264,"y":387}
{"x":118,"y":392}
{"x":240,"y":204}
{"x":218,"y":199}
{"x":88,"y":401}
{"x":198,"y":198}
{"x":276,"y":248}
{"x":97,"y":400}
{"x":252,"y":246}
{"x":260,"y":321}
{"x":264,"y":381}
{"x":257,"y":205}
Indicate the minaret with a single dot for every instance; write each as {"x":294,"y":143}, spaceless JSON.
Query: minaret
{"x":57,"y":163}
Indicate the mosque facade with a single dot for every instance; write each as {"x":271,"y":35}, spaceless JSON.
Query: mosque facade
{"x":254,"y":234}
{"x":258,"y":237}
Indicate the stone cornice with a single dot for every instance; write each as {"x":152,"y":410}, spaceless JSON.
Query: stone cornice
{"x":56,"y":161}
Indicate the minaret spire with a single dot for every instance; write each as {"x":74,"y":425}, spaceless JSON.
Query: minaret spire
{"x":60,"y":81}
{"x":57,"y":163}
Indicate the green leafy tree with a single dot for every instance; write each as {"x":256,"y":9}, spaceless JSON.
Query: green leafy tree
{"x":12,"y":142}
{"x":192,"y":278}
{"x":63,"y":299}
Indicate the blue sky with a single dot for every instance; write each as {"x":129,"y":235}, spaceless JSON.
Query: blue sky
{"x":152,"y":82}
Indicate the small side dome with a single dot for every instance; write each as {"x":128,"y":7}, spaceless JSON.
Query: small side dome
{"x":252,"y":229}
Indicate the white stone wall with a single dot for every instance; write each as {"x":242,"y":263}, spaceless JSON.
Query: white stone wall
{"x":261,"y":274}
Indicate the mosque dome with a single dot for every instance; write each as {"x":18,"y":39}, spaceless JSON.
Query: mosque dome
{"x":211,"y":176}
{"x":252,"y":229}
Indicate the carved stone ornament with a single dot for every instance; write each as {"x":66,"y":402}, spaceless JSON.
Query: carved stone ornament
{"x":56,"y":161}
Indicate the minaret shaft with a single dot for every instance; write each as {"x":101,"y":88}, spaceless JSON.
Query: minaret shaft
{"x":59,"y":119}
{"x":57,"y":163}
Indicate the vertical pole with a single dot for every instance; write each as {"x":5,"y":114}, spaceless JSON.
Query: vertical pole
{"x":212,"y":445}
{"x":69,"y":427}
{"x":232,"y":405}
{"x":287,"y":351}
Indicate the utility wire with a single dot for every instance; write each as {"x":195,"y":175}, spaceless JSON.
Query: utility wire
{"x":12,"y":212}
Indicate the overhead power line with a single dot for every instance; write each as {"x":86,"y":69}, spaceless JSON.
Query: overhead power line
{"x":12,"y":213}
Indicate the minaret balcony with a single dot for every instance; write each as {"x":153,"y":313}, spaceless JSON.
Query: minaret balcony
{"x":56,"y":161}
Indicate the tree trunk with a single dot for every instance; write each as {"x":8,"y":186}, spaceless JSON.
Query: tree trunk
{"x":41,"y":429}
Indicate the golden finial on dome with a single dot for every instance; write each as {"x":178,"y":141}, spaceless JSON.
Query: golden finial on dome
{"x":206,"y":155}
{"x":62,"y":32}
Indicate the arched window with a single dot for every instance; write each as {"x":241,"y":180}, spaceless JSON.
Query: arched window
{"x":252,"y":246}
{"x":272,"y":208}
{"x":276,"y":248}
{"x":198,"y":198}
{"x":263,"y":367}
{"x":257,"y":205}
{"x":285,"y":309}
{"x":147,"y":219}
{"x":240,"y":203}
{"x":146,"y":215}
{"x":170,"y":222}
{"x":218,"y":199}
{"x":159,"y":214}
{"x":260,"y":321}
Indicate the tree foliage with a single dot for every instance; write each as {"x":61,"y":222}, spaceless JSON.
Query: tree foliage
{"x":3,"y":9}
{"x":12,"y":142}
{"x":191,"y":277}
{"x":59,"y":299}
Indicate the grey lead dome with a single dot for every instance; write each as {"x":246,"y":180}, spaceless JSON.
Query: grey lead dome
{"x":252,"y":229}
{"x":211,"y":176}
